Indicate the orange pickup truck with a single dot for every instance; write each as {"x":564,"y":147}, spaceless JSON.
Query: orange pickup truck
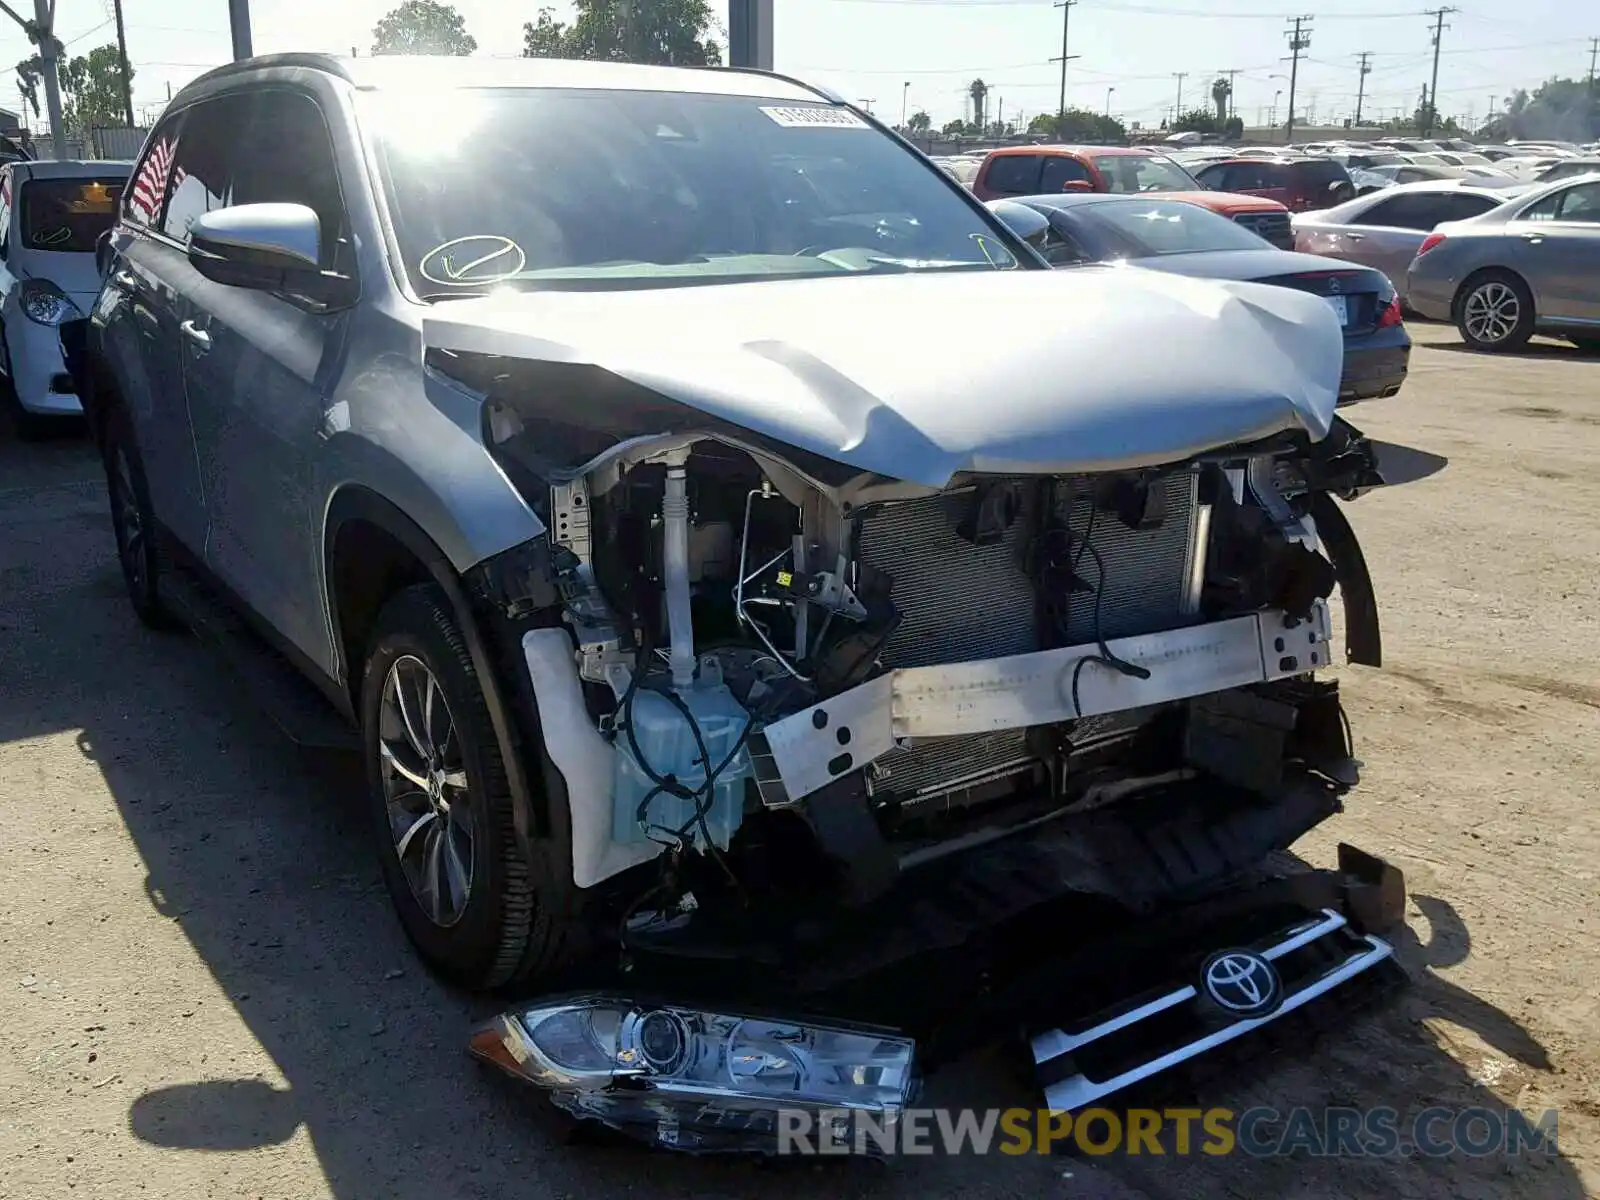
{"x":1040,"y":170}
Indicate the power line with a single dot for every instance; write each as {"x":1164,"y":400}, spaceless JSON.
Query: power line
{"x":1299,"y":39}
{"x":1431,"y":113}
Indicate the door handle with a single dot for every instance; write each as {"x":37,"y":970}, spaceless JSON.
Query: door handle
{"x":200,"y":338}
{"x":1535,"y":238}
{"x":125,"y":280}
{"x":1356,"y":237}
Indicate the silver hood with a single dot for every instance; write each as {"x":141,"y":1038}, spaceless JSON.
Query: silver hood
{"x":920,"y":376}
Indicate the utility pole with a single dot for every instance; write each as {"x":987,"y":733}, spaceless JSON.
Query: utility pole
{"x":1361,"y":85}
{"x":41,"y":32}
{"x":1061,"y":109}
{"x":1299,"y":39}
{"x":122,"y":61}
{"x":905,"y":95}
{"x":239,"y":26}
{"x":1594,"y":53}
{"x":1177,"y":110}
{"x":1430,"y":112}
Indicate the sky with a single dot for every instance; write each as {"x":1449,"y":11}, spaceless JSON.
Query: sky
{"x":1128,"y":52}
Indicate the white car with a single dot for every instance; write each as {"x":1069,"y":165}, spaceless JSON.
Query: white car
{"x":51,"y":216}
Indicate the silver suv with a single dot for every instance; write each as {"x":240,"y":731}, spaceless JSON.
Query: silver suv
{"x":714,"y":521}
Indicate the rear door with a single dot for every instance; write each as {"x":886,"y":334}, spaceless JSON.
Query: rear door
{"x":1009,"y":175}
{"x":1555,"y":245}
{"x":1387,"y":234}
{"x":260,"y":378}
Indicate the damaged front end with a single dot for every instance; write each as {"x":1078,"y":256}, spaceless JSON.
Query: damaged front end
{"x":817,"y":720}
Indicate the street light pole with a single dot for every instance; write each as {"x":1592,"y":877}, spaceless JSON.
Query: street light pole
{"x":905,"y":95}
{"x":1109,"y":90}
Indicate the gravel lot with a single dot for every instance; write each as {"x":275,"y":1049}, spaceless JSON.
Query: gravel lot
{"x":204,"y":992}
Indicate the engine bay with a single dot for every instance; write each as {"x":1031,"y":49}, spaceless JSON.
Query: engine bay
{"x":717,"y":601}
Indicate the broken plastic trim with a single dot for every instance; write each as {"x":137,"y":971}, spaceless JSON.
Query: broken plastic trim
{"x":696,"y":1080}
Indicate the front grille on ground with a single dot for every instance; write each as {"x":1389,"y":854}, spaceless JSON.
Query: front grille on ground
{"x":960,"y":602}
{"x":1149,"y":1033}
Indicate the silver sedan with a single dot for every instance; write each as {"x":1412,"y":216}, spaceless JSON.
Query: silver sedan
{"x":1530,"y":266}
{"x":1384,"y":229}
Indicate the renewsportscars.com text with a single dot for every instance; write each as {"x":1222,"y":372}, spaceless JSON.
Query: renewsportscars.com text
{"x":1333,"y":1132}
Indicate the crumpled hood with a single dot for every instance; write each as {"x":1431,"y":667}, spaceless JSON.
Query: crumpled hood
{"x":921,"y":376}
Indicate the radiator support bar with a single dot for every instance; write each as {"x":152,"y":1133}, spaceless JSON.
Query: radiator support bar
{"x":813,"y":747}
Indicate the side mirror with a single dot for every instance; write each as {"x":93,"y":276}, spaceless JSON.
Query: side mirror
{"x":265,"y":247}
{"x":1077,"y":185}
{"x":1028,"y":224}
{"x":102,"y":254}
{"x":1341,"y":190}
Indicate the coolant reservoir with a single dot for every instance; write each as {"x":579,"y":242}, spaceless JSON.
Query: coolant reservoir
{"x":667,"y":744}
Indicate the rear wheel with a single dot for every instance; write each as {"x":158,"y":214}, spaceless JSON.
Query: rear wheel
{"x":480,"y":911}
{"x":1495,"y":312}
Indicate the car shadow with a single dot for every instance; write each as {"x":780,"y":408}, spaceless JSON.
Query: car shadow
{"x":258,"y":854}
{"x":1536,"y":350}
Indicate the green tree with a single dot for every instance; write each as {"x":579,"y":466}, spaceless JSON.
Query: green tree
{"x":1233,"y":128}
{"x":668,"y":32}
{"x":423,"y":27}
{"x":1078,"y":125}
{"x":979,"y":91}
{"x":1197,"y":120}
{"x":92,"y":88}
{"x":919,"y":122}
{"x":957,"y":128}
{"x":1565,"y":109}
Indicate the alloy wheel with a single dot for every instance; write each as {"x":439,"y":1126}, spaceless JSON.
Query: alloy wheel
{"x":425,"y":790}
{"x":1491,"y":312}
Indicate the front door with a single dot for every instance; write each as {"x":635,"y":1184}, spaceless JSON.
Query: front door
{"x":259,"y":377}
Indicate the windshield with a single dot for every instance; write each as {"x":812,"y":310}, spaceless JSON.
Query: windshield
{"x":1148,"y":228}
{"x":1129,"y":173}
{"x":68,"y":215}
{"x":568,"y":188}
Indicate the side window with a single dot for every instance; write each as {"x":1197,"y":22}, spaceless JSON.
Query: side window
{"x":7,"y":202}
{"x":1062,"y":249}
{"x":291,"y":161}
{"x":1058,"y":170}
{"x":1013,"y":174}
{"x":1407,"y":212}
{"x":1581,"y":203}
{"x":1463,"y":206}
{"x":147,"y":188}
{"x":1544,"y":210}
{"x":1211,"y":176}
{"x":1242,"y":177}
{"x":203,"y":163}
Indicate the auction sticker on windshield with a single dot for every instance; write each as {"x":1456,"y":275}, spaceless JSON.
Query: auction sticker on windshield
{"x":816,"y":116}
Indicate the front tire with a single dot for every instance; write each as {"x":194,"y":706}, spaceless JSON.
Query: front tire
{"x":1495,"y":312}
{"x":133,"y":523}
{"x":477,"y":909}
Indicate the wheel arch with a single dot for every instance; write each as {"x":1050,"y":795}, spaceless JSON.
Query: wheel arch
{"x":371,"y":548}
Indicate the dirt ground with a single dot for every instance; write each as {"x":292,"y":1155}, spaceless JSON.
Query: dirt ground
{"x":204,"y":993}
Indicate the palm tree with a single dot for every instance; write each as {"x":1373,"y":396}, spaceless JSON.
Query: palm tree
{"x":1221,"y":93}
{"x":979,"y":91}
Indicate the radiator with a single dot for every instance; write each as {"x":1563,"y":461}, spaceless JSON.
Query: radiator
{"x":960,"y":602}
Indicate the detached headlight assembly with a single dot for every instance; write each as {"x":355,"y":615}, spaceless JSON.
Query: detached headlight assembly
{"x":45,"y":304}
{"x":700,"y":1080}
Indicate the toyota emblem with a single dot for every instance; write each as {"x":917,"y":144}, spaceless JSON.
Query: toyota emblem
{"x":1241,"y":983}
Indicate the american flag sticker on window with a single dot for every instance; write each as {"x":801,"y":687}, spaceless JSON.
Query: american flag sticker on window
{"x":144,"y":198}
